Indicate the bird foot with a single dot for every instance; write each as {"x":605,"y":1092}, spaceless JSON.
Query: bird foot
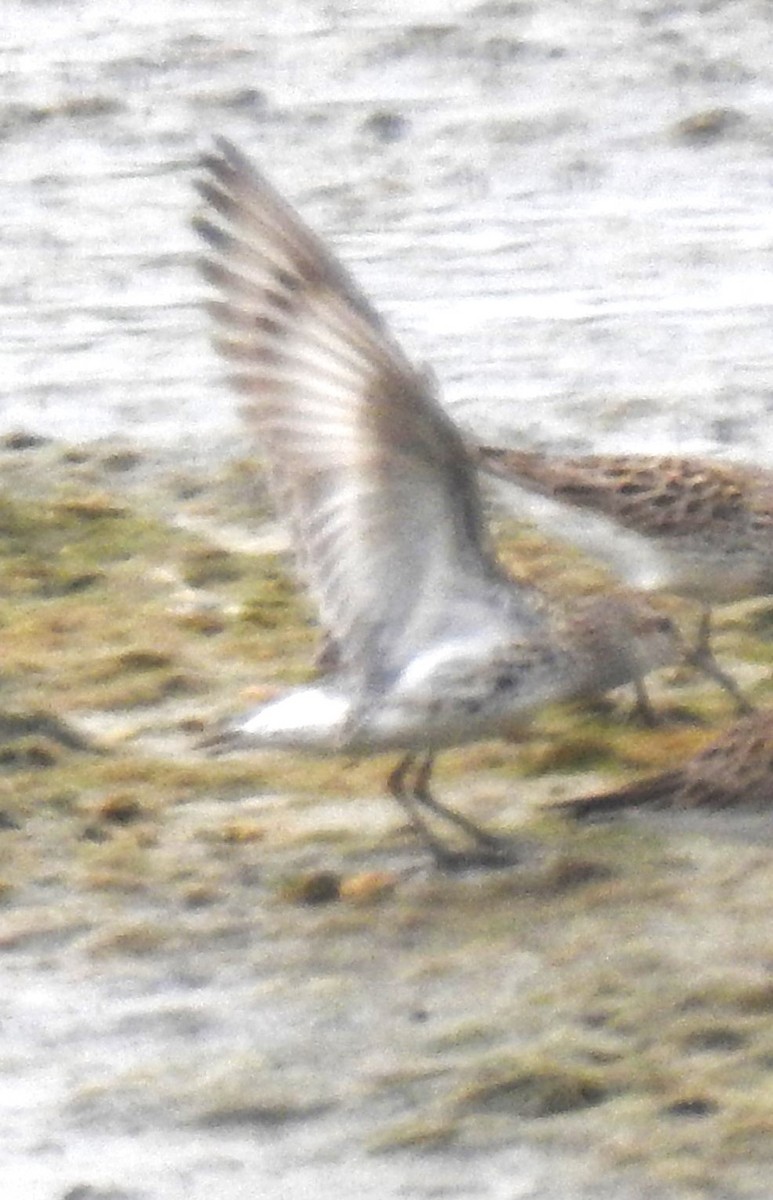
{"x":644,"y":716}
{"x":498,"y":854}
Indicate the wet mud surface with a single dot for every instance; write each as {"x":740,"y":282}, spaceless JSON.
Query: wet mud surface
{"x":242,"y":972}
{"x":238,"y":976}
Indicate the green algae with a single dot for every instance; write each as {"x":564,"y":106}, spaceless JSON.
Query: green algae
{"x":532,"y":1087}
{"x":612,"y":990}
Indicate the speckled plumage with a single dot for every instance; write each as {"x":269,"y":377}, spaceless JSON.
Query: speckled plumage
{"x":625,"y":634}
{"x":712,"y":522}
{"x":734,"y":771}
{"x":434,"y":645}
{"x":700,"y":529}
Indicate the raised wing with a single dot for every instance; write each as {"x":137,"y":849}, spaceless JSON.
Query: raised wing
{"x":368,"y":470}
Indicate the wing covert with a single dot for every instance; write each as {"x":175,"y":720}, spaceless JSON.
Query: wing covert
{"x":365,"y":465}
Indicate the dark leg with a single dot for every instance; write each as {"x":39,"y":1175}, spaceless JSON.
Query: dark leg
{"x":424,"y":796}
{"x":407,"y":801}
{"x":642,"y":709}
{"x":489,"y":851}
{"x":702,"y":658}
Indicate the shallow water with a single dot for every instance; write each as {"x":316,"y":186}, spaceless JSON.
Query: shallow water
{"x":511,"y":183}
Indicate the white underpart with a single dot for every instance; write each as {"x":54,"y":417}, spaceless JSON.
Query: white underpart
{"x":422,"y":674}
{"x":381,"y":500}
{"x":312,"y":718}
{"x":632,"y":556}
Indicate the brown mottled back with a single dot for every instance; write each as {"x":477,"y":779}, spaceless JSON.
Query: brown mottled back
{"x":735,"y":771}
{"x":649,"y":494}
